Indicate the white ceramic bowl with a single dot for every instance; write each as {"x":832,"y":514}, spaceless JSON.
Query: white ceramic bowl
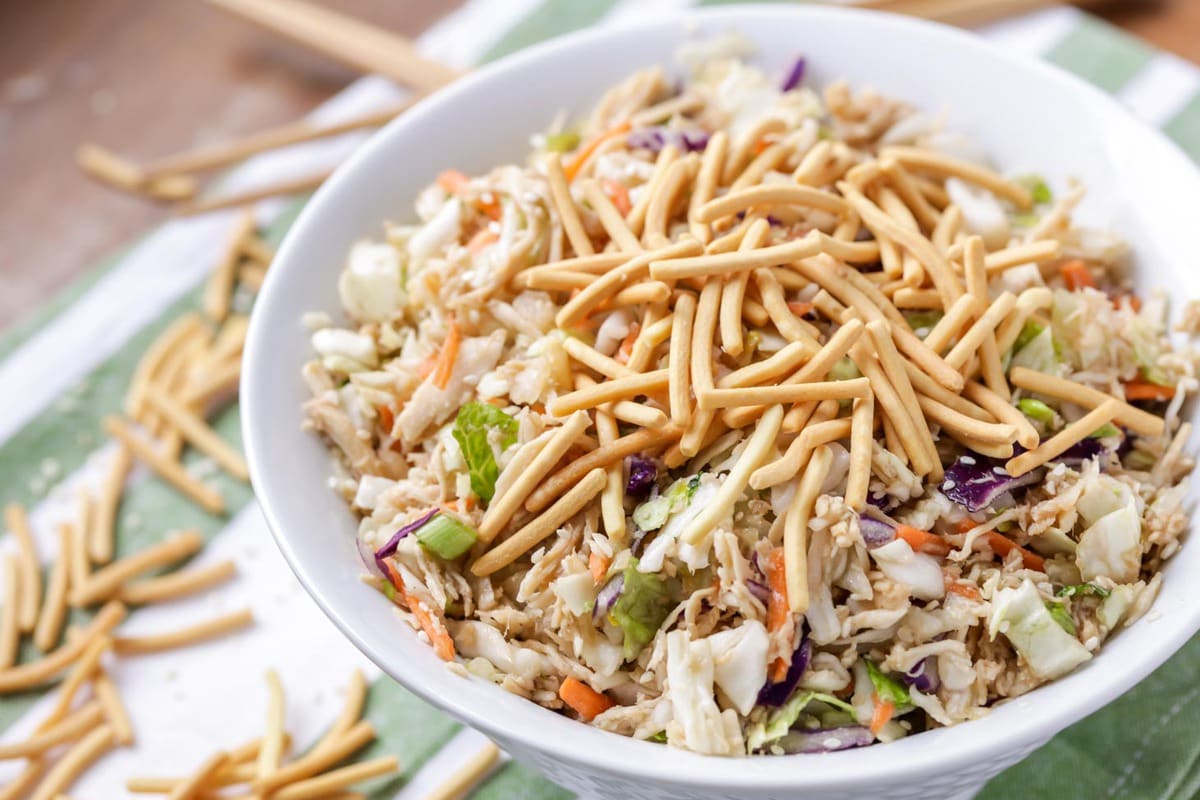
{"x":1028,"y":115}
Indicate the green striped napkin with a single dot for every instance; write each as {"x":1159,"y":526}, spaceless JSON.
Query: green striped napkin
{"x":68,"y":364}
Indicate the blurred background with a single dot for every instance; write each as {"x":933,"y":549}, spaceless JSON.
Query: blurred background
{"x":150,"y":77}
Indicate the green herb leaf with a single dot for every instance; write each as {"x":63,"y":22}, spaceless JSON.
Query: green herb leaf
{"x":644,"y":603}
{"x":659,"y":738}
{"x":886,"y":687}
{"x":1063,"y":617}
{"x":1082,"y":590}
{"x":446,"y":537}
{"x":563,"y":142}
{"x":1035,"y":409}
{"x":471,"y":428}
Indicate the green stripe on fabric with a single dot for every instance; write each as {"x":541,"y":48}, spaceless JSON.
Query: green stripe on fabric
{"x":552,"y":18}
{"x":515,"y":782}
{"x":1106,"y":756}
{"x":1101,"y":54}
{"x":64,"y":434}
{"x":151,"y":508}
{"x":405,"y":726}
{"x":44,"y":314}
{"x":743,"y":2}
{"x":1184,"y":128}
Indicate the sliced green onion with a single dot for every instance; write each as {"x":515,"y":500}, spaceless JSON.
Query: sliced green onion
{"x":446,"y":537}
{"x":1059,"y":613}
{"x":1082,"y":589}
{"x":563,"y":142}
{"x":918,"y":320}
{"x":1030,"y":331}
{"x":844,"y":370}
{"x":1035,"y":409}
{"x":1037,"y":188}
{"x":1103,"y":432}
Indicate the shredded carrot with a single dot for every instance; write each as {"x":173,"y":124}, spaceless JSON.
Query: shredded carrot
{"x":923,"y":541}
{"x":618,"y":194}
{"x":1002,"y":546}
{"x":777,"y":606}
{"x":1134,"y":301}
{"x":625,"y":350}
{"x":452,"y":181}
{"x":481,"y":239}
{"x":584,"y":153}
{"x":386,"y":417}
{"x":598,"y":565}
{"x":585,"y":700}
{"x":884,"y":709}
{"x":1076,"y":275}
{"x":1145,"y":390}
{"x":962,"y":589}
{"x":800,"y":309}
{"x":449,"y":354}
{"x":443,"y":645}
{"x":965,"y":524}
{"x":490,"y":206}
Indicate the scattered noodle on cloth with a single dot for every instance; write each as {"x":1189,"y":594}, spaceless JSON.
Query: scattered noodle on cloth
{"x":755,"y":420}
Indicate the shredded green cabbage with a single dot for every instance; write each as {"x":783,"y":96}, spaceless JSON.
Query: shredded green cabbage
{"x":653,"y":514}
{"x":886,"y":687}
{"x":471,"y":428}
{"x":1039,"y":354}
{"x":645,"y":602}
{"x":782,"y":719}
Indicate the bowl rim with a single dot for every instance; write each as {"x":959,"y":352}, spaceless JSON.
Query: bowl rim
{"x":605,"y":751}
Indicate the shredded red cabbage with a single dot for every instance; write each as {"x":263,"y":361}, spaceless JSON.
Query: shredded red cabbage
{"x":825,"y":740}
{"x":1084,"y":450}
{"x":875,"y":532}
{"x":923,"y":676}
{"x":776,"y":694}
{"x":656,"y":138}
{"x":795,"y":75}
{"x":606,"y":598}
{"x":974,"y":481}
{"x":389,"y":549}
{"x":759,"y":590}
{"x":642,"y":473}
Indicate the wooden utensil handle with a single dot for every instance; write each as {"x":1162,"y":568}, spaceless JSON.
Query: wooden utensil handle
{"x":957,"y":12}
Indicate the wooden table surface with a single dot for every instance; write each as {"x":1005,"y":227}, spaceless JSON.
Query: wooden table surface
{"x":150,"y":77}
